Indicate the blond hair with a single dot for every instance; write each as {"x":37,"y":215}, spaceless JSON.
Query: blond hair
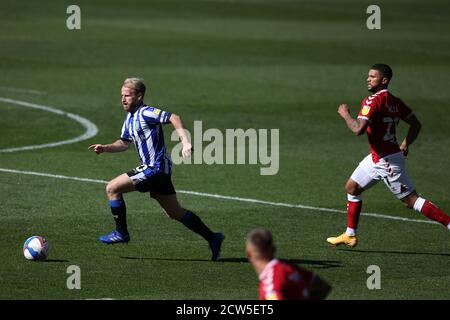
{"x":137,"y":84}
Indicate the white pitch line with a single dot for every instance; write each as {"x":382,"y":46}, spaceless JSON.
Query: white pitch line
{"x":21,"y":90}
{"x":49,"y":175}
{"x":91,"y":129}
{"x":222,"y":197}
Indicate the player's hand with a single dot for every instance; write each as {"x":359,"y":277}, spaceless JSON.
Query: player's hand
{"x":97,"y":148}
{"x":187,"y":150}
{"x":343,"y":110}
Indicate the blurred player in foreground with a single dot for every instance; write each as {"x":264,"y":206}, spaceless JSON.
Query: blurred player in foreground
{"x":379,"y":115}
{"x":143,"y":126}
{"x":278,"y":279}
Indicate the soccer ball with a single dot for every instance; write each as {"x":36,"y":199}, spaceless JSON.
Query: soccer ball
{"x":35,"y":248}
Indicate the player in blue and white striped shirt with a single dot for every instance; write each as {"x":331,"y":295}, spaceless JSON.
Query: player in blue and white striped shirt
{"x":143,"y":126}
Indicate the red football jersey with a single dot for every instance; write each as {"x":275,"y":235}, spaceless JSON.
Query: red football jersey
{"x":383,"y":111}
{"x":282,"y":280}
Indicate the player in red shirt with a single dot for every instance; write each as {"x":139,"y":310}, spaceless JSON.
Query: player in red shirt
{"x":278,"y":279}
{"x":378,"y":117}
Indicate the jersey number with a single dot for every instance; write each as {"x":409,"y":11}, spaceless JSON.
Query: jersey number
{"x":141,"y":168}
{"x":390,"y":130}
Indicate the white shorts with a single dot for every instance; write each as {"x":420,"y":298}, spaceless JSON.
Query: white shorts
{"x":390,"y":169}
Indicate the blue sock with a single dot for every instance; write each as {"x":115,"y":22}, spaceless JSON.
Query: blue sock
{"x":115,"y":203}
{"x":119,"y":213}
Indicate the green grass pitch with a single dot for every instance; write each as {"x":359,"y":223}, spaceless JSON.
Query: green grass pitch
{"x":232,"y":64}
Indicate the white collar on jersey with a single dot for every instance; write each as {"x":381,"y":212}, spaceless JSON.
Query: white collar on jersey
{"x":267,"y":268}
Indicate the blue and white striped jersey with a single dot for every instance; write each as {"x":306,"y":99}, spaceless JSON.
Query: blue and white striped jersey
{"x":144,"y":128}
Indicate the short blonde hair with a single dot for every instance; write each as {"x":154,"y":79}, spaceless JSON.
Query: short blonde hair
{"x":135,"y":83}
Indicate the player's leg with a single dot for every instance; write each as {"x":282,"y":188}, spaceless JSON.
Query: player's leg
{"x":173,"y":209}
{"x":427,"y":208}
{"x":170,"y":204}
{"x":118,"y":186}
{"x":401,"y":186}
{"x":354,"y":205}
{"x":114,"y":191}
{"x":361,"y":179}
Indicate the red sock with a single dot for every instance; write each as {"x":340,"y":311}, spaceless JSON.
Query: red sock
{"x":353,"y":212}
{"x":431,"y":211}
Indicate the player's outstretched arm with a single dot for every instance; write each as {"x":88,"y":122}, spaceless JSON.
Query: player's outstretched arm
{"x":357,"y":126}
{"x":117,"y":146}
{"x":413,"y":132}
{"x":178,"y":124}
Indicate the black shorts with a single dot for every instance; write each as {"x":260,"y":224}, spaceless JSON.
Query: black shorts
{"x":147,"y":180}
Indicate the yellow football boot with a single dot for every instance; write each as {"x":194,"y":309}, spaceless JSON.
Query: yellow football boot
{"x":350,"y":241}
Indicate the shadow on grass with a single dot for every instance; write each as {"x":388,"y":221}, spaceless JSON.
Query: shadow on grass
{"x":165,"y":259}
{"x":398,"y":252}
{"x":54,"y":261}
{"x":323,"y":264}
